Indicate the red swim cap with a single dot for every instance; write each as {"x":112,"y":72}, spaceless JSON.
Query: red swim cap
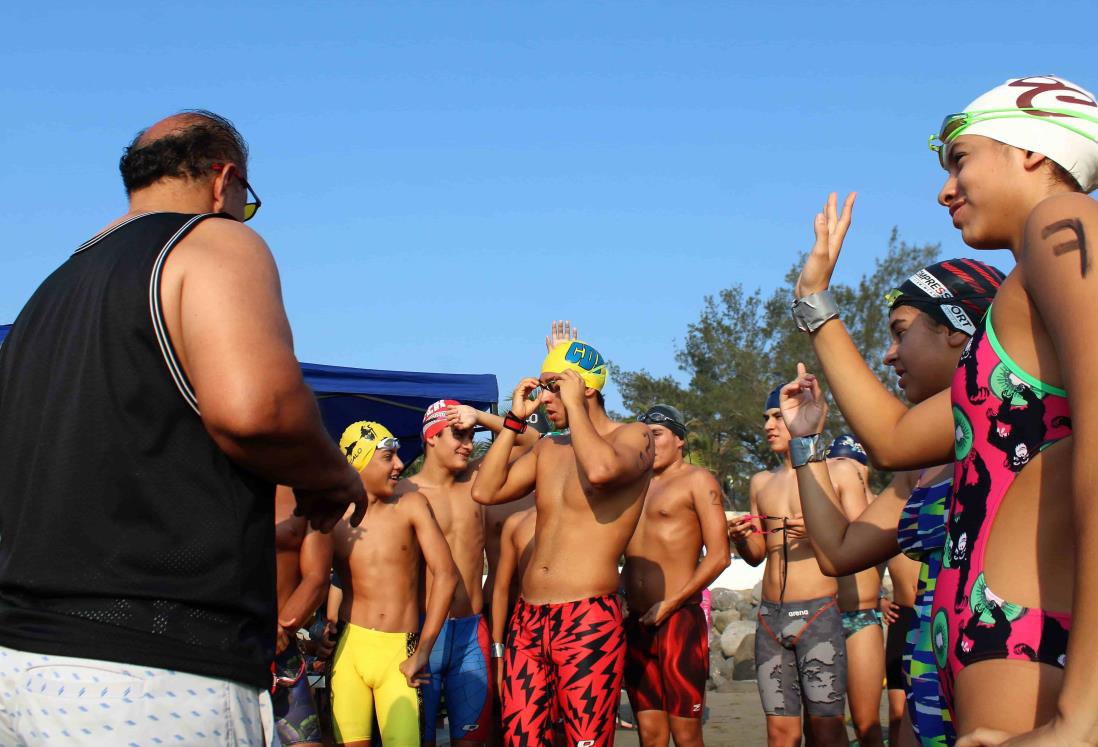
{"x":434,"y":419}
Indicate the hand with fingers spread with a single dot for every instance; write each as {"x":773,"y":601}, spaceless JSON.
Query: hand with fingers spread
{"x":462,"y":417}
{"x":560,"y":331}
{"x":802,"y":403}
{"x":522,"y":405}
{"x":830,"y":227}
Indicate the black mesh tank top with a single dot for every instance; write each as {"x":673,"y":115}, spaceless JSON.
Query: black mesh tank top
{"x":125,"y":533}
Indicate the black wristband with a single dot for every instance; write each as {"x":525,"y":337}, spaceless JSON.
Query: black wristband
{"x":514,"y":423}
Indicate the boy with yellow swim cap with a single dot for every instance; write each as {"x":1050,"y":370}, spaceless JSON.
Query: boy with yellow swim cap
{"x":383,"y":650}
{"x":566,"y":647}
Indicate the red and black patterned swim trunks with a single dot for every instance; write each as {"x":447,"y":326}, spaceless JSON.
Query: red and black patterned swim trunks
{"x":666,"y":667}
{"x":570,"y":656}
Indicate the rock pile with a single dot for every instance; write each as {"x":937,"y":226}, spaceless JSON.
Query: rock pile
{"x":732,"y":637}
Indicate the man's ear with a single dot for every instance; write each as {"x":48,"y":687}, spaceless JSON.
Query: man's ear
{"x":219,"y":187}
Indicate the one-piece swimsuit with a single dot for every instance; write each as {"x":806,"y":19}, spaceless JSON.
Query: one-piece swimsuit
{"x":921,"y":535}
{"x":1003,"y":418}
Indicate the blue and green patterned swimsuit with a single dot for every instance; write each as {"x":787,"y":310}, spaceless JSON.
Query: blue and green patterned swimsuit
{"x":921,"y":534}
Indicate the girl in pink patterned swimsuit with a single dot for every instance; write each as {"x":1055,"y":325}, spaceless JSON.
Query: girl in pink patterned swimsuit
{"x":1015,"y":626}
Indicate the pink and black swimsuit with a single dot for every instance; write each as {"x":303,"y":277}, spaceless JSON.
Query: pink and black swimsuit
{"x":1003,"y":417}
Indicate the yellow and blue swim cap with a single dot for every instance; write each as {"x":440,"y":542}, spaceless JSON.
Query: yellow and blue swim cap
{"x":362,"y":439}
{"x":580,"y":357}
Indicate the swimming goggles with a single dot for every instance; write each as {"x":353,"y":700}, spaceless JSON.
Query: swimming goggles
{"x":391,"y":442}
{"x":955,"y":124}
{"x":658,"y":418}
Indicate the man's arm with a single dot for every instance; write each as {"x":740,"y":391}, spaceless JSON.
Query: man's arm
{"x":444,"y":572}
{"x":895,"y":437}
{"x":315,"y":563}
{"x":223,"y":305}
{"x":706,"y":496}
{"x":744,"y":532}
{"x":604,"y":463}
{"x":505,"y":571}
{"x":465,"y":417}
{"x":499,"y":480}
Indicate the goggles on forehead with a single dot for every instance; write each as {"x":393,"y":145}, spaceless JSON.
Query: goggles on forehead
{"x":658,"y":418}
{"x":392,"y":442}
{"x":954,"y":125}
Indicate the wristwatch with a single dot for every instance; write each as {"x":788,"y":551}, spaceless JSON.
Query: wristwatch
{"x":805,"y":449}
{"x":497,"y":650}
{"x":810,"y":312}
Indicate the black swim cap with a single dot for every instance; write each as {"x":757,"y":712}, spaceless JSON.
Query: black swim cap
{"x":667,"y":416}
{"x":773,"y":399}
{"x":954,"y":292}
{"x":845,"y":446}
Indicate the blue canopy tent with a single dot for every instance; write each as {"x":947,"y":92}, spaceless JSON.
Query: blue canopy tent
{"x":396,"y":399}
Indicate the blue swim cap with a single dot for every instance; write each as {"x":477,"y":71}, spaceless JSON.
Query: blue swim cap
{"x":773,"y":400}
{"x":845,"y":446}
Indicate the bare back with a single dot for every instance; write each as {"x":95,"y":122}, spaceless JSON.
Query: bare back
{"x":777,"y":495}
{"x":379,"y":563}
{"x":580,"y":532}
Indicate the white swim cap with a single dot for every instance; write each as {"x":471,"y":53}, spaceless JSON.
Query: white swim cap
{"x":1041,"y":113}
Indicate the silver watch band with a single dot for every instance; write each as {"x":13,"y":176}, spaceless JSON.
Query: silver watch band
{"x":805,"y":449}
{"x":810,"y":312}
{"x":497,"y":650}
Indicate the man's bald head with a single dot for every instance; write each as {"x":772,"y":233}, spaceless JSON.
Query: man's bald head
{"x":182,"y":146}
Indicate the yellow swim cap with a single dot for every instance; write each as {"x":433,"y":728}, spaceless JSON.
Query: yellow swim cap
{"x":580,"y":357}
{"x":360,"y":440}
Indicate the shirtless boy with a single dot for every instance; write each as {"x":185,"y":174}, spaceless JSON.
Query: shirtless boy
{"x":382,"y":655}
{"x":800,"y":654}
{"x":566,"y":641}
{"x":859,"y":600}
{"x":303,"y":560}
{"x":667,"y":639}
{"x":458,"y":665}
{"x":516,"y":546}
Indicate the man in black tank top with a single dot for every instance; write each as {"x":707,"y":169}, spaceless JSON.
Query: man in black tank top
{"x":149,"y":400}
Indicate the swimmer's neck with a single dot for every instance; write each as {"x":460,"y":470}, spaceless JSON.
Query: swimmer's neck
{"x":434,"y":475}
{"x":787,"y":462}
{"x":670,"y":469}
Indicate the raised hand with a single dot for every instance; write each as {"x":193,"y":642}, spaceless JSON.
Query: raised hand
{"x":560,"y":331}
{"x":830,"y":227}
{"x":802,"y":403}
{"x":521,"y":403}
{"x":462,"y":417}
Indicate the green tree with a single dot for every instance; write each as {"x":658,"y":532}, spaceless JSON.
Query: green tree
{"x":744,"y":344}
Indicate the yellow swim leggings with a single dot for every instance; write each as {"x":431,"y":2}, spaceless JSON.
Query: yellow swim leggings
{"x":365,"y":677}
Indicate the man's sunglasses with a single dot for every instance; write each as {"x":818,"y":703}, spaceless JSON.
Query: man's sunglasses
{"x":955,"y":124}
{"x":250,"y":208}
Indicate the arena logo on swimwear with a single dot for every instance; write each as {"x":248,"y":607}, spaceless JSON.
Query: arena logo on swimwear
{"x":1038,"y":86}
{"x":585,"y":357}
{"x":930,"y":285}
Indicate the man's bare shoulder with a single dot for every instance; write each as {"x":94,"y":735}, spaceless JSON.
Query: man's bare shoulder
{"x":702,"y":480}
{"x":223,"y":237}
{"x":843,"y":471}
{"x":630,"y":431}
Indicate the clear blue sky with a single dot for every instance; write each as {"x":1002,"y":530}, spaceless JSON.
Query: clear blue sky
{"x":442,"y":179}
